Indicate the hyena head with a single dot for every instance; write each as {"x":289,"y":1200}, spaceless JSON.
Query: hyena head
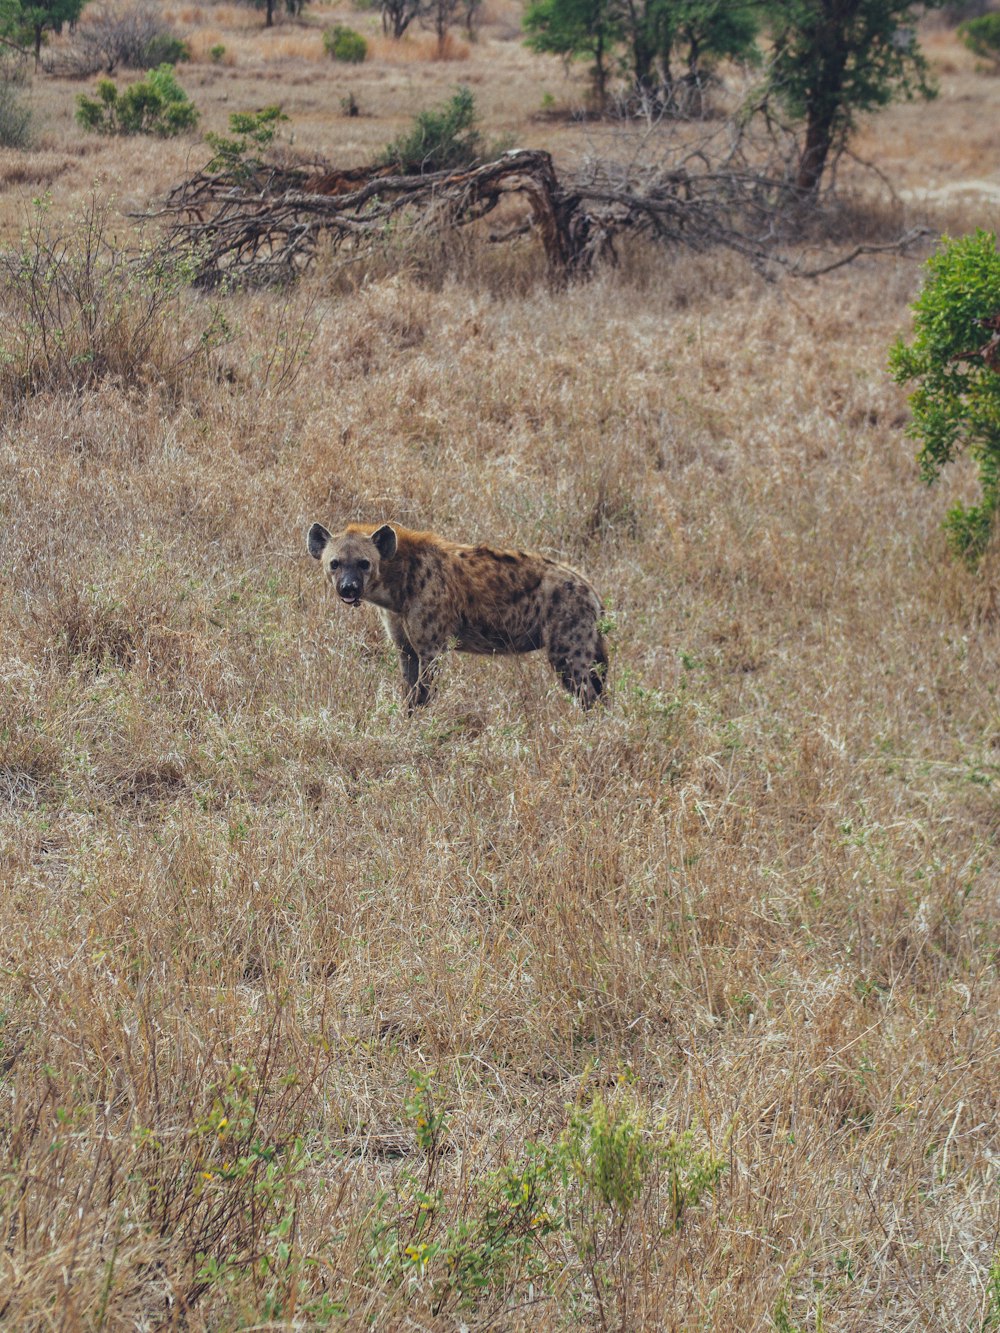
{"x":352,"y":560}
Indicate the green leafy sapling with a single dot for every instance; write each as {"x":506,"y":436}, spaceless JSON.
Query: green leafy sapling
{"x":954,"y":360}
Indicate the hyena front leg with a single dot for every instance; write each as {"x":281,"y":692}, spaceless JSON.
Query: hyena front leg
{"x":424,"y":683}
{"x":418,"y":667}
{"x":409,"y":661}
{"x":430,"y":639}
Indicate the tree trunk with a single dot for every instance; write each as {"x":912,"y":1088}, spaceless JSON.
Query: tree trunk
{"x":600,"y":75}
{"x":812,"y":163}
{"x":269,"y":19}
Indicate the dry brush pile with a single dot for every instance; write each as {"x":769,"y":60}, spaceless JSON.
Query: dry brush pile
{"x":680,"y":1016}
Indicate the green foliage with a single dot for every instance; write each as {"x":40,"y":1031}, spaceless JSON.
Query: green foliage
{"x":691,"y":1171}
{"x":956,"y":404}
{"x":156,"y":105}
{"x":15,"y":116}
{"x":216,"y":53}
{"x":835,"y":59}
{"x":609,"y":1150}
{"x":584,"y":1187}
{"x":343,"y":43}
{"x":165,"y":48}
{"x":253,"y":131}
{"x":982,"y":36}
{"x":493,"y":1240}
{"x":577,"y":29}
{"x":430,"y":1124}
{"x":664,"y":46}
{"x":27,"y":23}
{"x":442,"y":139}
{"x":782,"y":1317}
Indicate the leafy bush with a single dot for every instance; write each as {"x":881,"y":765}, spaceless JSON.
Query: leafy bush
{"x":15,"y":117}
{"x":581,"y":1191}
{"x":955,"y":361}
{"x":252,"y":131}
{"x":343,"y":43}
{"x":609,"y":1150}
{"x":982,"y":36}
{"x":165,"y":49}
{"x":156,"y":104}
{"x":442,"y":139}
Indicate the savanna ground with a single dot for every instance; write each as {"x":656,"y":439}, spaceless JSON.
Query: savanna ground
{"x":680,"y":1016}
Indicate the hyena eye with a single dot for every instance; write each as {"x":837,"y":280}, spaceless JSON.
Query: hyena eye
{"x":334,"y":564}
{"x":364,"y":565}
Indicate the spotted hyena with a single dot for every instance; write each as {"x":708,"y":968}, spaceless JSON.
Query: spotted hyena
{"x":435,"y":594}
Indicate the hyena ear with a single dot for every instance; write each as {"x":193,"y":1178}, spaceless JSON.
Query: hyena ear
{"x":385,"y":541}
{"x":317,"y":540}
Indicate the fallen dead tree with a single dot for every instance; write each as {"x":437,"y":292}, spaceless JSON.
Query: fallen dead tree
{"x":266,"y":225}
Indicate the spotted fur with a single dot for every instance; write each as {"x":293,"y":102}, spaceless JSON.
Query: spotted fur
{"x":434,"y":594}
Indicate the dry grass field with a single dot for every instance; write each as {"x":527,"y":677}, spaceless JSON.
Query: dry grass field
{"x":683,"y":1015}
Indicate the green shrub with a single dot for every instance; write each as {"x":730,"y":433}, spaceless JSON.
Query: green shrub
{"x":343,"y":43}
{"x":165,"y":49}
{"x":609,"y":1150}
{"x":216,"y":53}
{"x":239,"y":156}
{"x":982,"y":36}
{"x":955,"y":360}
{"x":156,"y":104}
{"x":442,"y":139}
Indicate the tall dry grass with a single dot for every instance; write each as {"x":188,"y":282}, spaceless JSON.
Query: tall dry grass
{"x":292,"y":986}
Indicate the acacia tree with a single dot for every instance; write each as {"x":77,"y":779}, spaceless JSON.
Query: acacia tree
{"x":440,"y":15}
{"x":27,"y":23}
{"x":577,"y":29}
{"x":836,"y":59}
{"x":397,"y":15}
{"x":645,"y":37}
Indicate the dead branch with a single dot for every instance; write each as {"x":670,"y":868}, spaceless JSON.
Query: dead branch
{"x":266,"y":225}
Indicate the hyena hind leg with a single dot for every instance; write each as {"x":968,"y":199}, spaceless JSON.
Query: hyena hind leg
{"x":582,"y":669}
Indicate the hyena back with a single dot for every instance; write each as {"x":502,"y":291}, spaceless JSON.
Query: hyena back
{"x":434,"y":594}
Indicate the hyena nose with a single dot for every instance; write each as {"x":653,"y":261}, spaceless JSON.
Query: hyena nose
{"x":349,"y":589}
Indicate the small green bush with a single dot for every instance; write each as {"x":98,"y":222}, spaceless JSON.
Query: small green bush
{"x":156,"y":105}
{"x":165,"y":49}
{"x":982,"y":36}
{"x":343,"y":43}
{"x":216,"y":53}
{"x":239,"y":157}
{"x":442,"y":139}
{"x":954,"y":360}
